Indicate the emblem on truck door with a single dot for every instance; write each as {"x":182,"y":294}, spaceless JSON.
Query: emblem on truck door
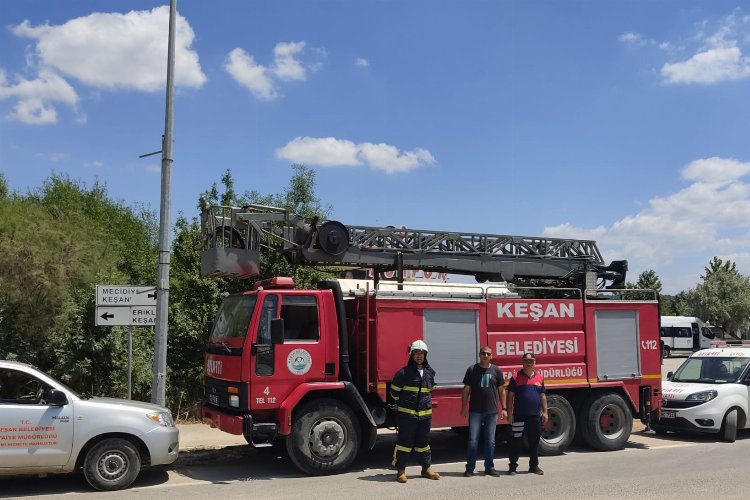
{"x":299,"y":361}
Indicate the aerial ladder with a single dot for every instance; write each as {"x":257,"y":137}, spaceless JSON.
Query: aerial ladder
{"x":232,"y":238}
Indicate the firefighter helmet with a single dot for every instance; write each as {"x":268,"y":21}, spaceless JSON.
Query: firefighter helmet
{"x":418,"y":345}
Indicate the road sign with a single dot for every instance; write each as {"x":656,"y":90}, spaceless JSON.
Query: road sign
{"x":126,"y":316}
{"x":125,"y":295}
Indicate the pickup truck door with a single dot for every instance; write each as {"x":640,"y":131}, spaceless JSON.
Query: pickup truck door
{"x":32,"y":432}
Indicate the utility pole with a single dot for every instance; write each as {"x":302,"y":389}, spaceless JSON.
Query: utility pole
{"x":158,"y":387}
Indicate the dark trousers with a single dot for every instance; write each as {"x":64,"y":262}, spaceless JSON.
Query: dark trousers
{"x":532,"y":427}
{"x":413,"y":437}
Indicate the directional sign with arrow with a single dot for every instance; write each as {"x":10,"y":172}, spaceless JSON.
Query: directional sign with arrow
{"x":126,"y":316}
{"x":125,"y":295}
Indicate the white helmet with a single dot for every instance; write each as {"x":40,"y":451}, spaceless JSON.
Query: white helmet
{"x":417,"y":345}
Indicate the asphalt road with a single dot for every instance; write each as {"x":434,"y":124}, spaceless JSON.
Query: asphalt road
{"x":657,"y":466}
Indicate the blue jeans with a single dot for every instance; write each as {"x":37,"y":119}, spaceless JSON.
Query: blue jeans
{"x":476,"y":422}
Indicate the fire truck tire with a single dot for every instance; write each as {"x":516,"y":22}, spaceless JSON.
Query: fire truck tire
{"x":606,"y":422}
{"x":558,"y":432}
{"x":729,"y":426}
{"x":325,"y":437}
{"x":112,"y":465}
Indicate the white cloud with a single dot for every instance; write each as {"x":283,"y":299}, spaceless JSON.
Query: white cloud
{"x":709,"y":66}
{"x":718,"y":58}
{"x":632,"y":39}
{"x":332,"y":152}
{"x":94,"y":164}
{"x":34,"y":97}
{"x":388,"y":158}
{"x":117,"y":51}
{"x":324,"y":152}
{"x":704,"y":217}
{"x":242,"y":67}
{"x":102,"y":50}
{"x":362,"y":63}
{"x":286,"y":66}
{"x":262,"y":81}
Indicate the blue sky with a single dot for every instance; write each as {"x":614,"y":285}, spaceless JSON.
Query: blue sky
{"x":620,"y":121}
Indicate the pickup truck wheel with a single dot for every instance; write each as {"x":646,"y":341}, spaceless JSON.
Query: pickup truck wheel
{"x":606,"y":422}
{"x":112,"y":464}
{"x":558,"y":432}
{"x":324,"y":438}
{"x":729,"y":427}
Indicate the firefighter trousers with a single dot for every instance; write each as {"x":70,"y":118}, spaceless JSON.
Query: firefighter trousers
{"x":532,"y":427}
{"x":413,"y":436}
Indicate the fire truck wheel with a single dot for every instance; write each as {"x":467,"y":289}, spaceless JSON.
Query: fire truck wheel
{"x":558,"y":432}
{"x":606,"y":422}
{"x":729,"y":427}
{"x":112,"y":464}
{"x":324,"y":438}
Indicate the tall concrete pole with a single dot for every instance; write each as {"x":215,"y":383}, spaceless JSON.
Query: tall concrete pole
{"x":159,"y":385}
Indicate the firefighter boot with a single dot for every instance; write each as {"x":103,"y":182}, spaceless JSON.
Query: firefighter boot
{"x":430,"y":474}
{"x":401,"y":476}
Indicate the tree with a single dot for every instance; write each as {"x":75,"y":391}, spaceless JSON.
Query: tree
{"x":723,"y":299}
{"x":647,"y":280}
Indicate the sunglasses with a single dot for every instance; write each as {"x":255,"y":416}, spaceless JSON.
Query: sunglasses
{"x":485,"y":354}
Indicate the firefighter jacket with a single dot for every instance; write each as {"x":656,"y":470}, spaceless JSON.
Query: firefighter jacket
{"x":412,"y":392}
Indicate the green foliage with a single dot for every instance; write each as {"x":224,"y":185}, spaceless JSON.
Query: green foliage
{"x":723,"y":299}
{"x":647,"y":280}
{"x":55,"y":245}
{"x":58,"y":242}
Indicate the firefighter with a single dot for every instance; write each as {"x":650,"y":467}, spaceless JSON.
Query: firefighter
{"x":410,"y":389}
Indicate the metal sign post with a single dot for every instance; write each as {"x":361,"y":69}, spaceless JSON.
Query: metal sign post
{"x":130,"y":361}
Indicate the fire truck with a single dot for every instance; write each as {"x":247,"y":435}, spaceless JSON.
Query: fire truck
{"x":313,"y":366}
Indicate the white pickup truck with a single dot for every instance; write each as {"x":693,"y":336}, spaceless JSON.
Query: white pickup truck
{"x":46,"y":427}
{"x":709,"y":393}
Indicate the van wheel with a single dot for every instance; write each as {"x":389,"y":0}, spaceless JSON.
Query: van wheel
{"x":606,"y":422}
{"x":729,"y":426}
{"x":558,"y":432}
{"x":324,"y":438}
{"x":112,"y":464}
{"x":664,"y":351}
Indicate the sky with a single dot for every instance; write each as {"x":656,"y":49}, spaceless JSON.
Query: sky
{"x":625,"y":122}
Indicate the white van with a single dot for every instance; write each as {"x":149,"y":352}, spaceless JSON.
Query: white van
{"x":684,"y":334}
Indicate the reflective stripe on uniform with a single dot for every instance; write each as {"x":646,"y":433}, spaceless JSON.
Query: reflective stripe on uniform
{"x":397,"y":449}
{"x":395,"y":388}
{"x":517,"y":429}
{"x":416,"y":389}
{"x":413,"y":412}
{"x":422,"y":450}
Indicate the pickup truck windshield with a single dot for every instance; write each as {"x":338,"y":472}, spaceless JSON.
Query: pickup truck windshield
{"x":710,"y":370}
{"x":232,"y":321}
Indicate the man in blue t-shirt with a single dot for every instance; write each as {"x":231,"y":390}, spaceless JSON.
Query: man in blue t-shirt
{"x":483,"y":386}
{"x":527,"y":396}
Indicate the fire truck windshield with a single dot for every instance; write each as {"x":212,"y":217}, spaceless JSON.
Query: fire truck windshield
{"x":232,"y":321}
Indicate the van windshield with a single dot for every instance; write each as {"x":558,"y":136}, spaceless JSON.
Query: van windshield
{"x":710,"y":370}
{"x":232,"y":321}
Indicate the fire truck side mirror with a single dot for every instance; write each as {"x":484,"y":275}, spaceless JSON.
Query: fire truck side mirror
{"x":277,"y":331}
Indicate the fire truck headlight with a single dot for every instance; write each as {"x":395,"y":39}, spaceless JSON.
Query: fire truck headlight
{"x":234,"y":401}
{"x":162,"y":418}
{"x":703,"y":396}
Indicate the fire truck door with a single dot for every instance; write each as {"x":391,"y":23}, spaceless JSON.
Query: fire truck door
{"x":300,"y":357}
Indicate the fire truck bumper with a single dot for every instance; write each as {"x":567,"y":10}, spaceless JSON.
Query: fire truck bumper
{"x":232,"y":424}
{"x":258,"y":434}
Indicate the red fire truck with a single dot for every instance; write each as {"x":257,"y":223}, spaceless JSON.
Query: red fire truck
{"x":313,"y":366}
